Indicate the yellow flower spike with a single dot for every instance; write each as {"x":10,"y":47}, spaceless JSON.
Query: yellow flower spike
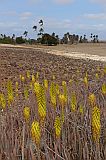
{"x":36,"y":132}
{"x":20,"y":65}
{"x":26,"y":93}
{"x":46,"y":84}
{"x":104,"y":88}
{"x":54,"y":77}
{"x":98,"y":68}
{"x":2,"y":101}
{"x":10,"y":92}
{"x":53,"y":94}
{"x":16,"y":84}
{"x":28,"y":74}
{"x":33,"y":78}
{"x":31,"y":85}
{"x":78,"y":71}
{"x":16,"y":88}
{"x":92,"y":99}
{"x":102,"y":74}
{"x":20,"y":76}
{"x":70,"y":81}
{"x":57,"y":126}
{"x":73,"y":102}
{"x":65,"y":89}
{"x":105,"y":69}
{"x":95,"y":123}
{"x":57,"y":89}
{"x":86,"y":81}
{"x":86,"y":74}
{"x":81,"y":109}
{"x":62,"y":99}
{"x":26,"y":113}
{"x":97,"y":76}
{"x":37,"y":75}
{"x":23,"y":79}
{"x":36,"y":87}
{"x":63,"y":83}
{"x":41,"y":101}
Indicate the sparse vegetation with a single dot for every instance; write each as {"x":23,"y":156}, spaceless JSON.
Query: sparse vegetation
{"x":51,"y":107}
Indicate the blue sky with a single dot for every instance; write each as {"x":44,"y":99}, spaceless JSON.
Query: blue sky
{"x":60,"y":16}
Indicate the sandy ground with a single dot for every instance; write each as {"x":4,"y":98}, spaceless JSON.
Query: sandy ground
{"x":84,"y":51}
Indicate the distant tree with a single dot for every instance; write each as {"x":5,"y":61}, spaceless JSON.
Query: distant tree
{"x":48,"y":39}
{"x":2,"y":36}
{"x":73,"y":38}
{"x":41,"y":31}
{"x":91,"y":35}
{"x":25,"y":33}
{"x":68,"y":35}
{"x":13,"y":36}
{"x":81,"y":39}
{"x":94,"y":38}
{"x":41,"y":22}
{"x":84,"y":38}
{"x":65,"y":39}
{"x":35,"y":28}
{"x":97,"y":40}
{"x":53,"y":34}
{"x":57,"y":37}
{"x":77,"y":39}
{"x":20,"y":40}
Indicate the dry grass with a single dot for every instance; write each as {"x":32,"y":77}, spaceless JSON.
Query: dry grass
{"x":75,"y":139}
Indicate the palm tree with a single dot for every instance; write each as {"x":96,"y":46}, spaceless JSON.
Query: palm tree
{"x":53,"y":34}
{"x":65,"y":39}
{"x":1,"y":35}
{"x":35,"y":28}
{"x":41,"y":31}
{"x":13,"y":36}
{"x":57,"y":37}
{"x":77,"y":39}
{"x":41,"y":22}
{"x":25,"y":33}
{"x":81,"y":40}
{"x":84,"y":39}
{"x":4,"y":36}
{"x":94,"y":38}
{"x":91,"y":35}
{"x":97,"y":38}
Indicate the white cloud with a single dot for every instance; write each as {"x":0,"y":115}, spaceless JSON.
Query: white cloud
{"x":8,"y":13}
{"x":63,"y":1}
{"x":8,"y":24}
{"x":56,"y":24}
{"x":56,"y":1}
{"x":92,"y":27}
{"x":98,"y":16}
{"x":99,"y":1}
{"x":34,"y":1}
{"x":25,"y":15}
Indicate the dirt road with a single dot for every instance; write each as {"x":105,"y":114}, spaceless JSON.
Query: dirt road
{"x":83,"y":51}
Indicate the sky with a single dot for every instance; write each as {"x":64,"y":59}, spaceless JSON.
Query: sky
{"x":59,"y":16}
